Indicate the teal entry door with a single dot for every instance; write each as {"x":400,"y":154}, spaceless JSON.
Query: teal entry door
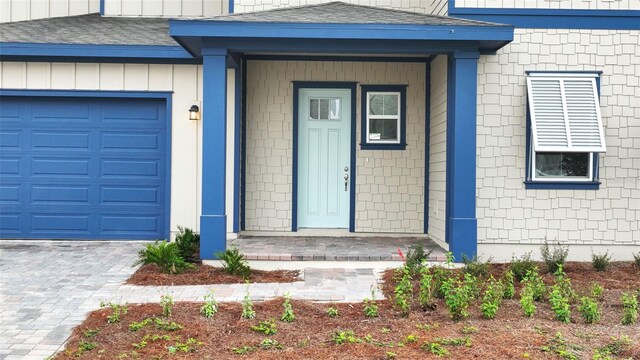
{"x":324,"y":152}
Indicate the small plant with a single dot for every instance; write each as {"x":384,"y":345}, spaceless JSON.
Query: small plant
{"x":466,"y":341}
{"x":332,"y":312}
{"x":596,"y":290}
{"x":440,"y":275}
{"x":166,"y":301}
{"x":533,"y":280}
{"x":287,"y":314}
{"x":247,"y":307}
{"x":234,"y":263}
{"x":425,"y":293}
{"x":476,"y":267}
{"x":467,"y":330}
{"x":589,"y":310}
{"x":345,"y":337}
{"x":210,"y":307}
{"x":601,"y":262}
{"x":492,"y":299}
{"x":509,"y":289}
{"x":87,"y":346}
{"x":615,"y":347}
{"x":410,"y":339}
{"x":265,"y":327}
{"x":416,"y":257}
{"x":527,"y":301}
{"x":191,"y":345}
{"x":560,"y":304}
{"x":135,"y":326}
{"x":636,"y":259}
{"x":117,"y":311}
{"x":554,"y":257}
{"x":458,"y":296}
{"x":563,"y":281}
{"x":165,"y":255}
{"x":167,"y":325}
{"x":188,"y":243}
{"x":140,"y":345}
{"x":369,"y":307}
{"x":404,"y":292}
{"x":89,"y":333}
{"x":436,"y":348}
{"x":629,"y":308}
{"x":243,"y":350}
{"x":559,"y":346}
{"x":268,"y":344}
{"x":520,"y":266}
{"x":391,"y":355}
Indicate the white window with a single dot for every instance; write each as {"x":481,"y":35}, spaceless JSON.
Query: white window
{"x":566,"y":126}
{"x":383,"y":118}
{"x":324,"y":109}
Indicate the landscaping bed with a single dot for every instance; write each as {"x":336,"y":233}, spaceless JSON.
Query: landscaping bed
{"x":201,"y":274}
{"x":421,"y":334}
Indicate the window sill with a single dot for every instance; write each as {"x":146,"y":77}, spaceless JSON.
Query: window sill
{"x":563,"y":185}
{"x":383,"y":146}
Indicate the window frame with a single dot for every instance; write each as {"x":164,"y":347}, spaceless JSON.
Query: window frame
{"x":398,"y":90}
{"x":575,"y":183}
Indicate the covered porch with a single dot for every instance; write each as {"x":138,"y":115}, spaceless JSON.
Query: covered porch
{"x":333,"y":35}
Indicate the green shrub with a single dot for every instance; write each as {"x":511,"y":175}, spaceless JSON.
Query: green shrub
{"x":436,"y":348}
{"x":332,"y":312}
{"x":476,"y":267}
{"x":117,"y":310}
{"x":404,"y":292}
{"x":416,"y":257}
{"x":534,"y":281}
{"x":234,"y":263}
{"x":247,"y":307}
{"x":287,"y":314}
{"x":596,"y":290}
{"x":345,"y":337}
{"x":492,"y":298}
{"x":559,"y":299}
{"x":629,"y":308}
{"x":265,"y":327}
{"x":520,"y":266}
{"x":508,"y":285}
{"x":425,"y":293}
{"x":589,"y":310}
{"x":165,"y":255}
{"x":166,"y":301}
{"x":370,"y":308}
{"x":527,"y":301}
{"x":554,"y":257}
{"x":210,"y":307}
{"x":601,"y":261}
{"x":636,"y":260}
{"x":440,"y":275}
{"x":188,"y":243}
{"x":458,"y":296}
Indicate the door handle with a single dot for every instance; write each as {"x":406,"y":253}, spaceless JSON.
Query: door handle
{"x":346,"y":181}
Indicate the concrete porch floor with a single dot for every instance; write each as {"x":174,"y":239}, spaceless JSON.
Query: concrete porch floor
{"x":329,"y":248}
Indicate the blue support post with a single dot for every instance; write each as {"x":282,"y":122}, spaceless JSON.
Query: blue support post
{"x":213,"y":221}
{"x":461,"y":225}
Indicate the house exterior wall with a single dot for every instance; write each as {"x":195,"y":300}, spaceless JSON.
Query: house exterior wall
{"x":185,"y":81}
{"x":166,"y":8}
{"x":512,"y":219}
{"x":438,"y":148}
{"x":389,"y":184}
{"x":552,"y":4}
{"x":21,"y":10}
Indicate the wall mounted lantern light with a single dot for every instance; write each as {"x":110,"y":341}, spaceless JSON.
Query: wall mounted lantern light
{"x":194,"y":112}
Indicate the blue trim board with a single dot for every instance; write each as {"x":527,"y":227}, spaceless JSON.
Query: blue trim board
{"x":552,"y":18}
{"x":243,"y":146}
{"x":93,"y":53}
{"x":236,"y":147}
{"x":337,"y":58}
{"x":297,"y":85}
{"x":231,"y":6}
{"x":102,"y":7}
{"x":213,"y":221}
{"x":558,"y":185}
{"x":427,"y":138}
{"x":163,"y":95}
{"x":402,"y":89}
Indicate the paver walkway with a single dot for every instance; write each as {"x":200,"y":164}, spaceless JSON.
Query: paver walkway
{"x":315,"y":248}
{"x":47,"y":288}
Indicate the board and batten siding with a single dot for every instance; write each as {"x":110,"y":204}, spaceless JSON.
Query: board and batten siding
{"x":166,"y":8}
{"x":552,"y":4}
{"x":512,"y":219}
{"x":21,"y":10}
{"x":185,"y":81}
{"x":438,"y":148}
{"x":389,"y":184}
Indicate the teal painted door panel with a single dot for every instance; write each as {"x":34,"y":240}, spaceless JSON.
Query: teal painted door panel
{"x":324,"y":151}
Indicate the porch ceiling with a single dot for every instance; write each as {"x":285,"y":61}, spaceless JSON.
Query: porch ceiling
{"x":339,"y":28}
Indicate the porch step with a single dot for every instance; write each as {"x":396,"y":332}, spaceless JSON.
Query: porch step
{"x":288,"y":248}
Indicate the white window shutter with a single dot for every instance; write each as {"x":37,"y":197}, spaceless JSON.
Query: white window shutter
{"x":565,"y":113}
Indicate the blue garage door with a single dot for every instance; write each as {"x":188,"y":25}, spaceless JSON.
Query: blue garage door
{"x":82,"y":168}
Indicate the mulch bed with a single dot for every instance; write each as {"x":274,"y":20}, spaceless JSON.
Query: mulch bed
{"x":509,"y":336}
{"x":150,"y":275}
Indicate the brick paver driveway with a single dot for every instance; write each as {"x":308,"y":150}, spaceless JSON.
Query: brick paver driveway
{"x":47,"y":287}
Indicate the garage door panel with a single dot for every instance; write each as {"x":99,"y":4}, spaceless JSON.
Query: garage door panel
{"x":80,"y":168}
{"x":52,"y":140}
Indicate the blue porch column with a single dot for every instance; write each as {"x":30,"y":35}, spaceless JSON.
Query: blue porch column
{"x":461,"y":222}
{"x":213,"y":221}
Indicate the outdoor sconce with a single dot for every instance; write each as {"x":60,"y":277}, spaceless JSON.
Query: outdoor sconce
{"x":194,"y":112}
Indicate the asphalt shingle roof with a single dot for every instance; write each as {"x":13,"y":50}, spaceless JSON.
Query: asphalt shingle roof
{"x":343,"y":13}
{"x":89,"y":29}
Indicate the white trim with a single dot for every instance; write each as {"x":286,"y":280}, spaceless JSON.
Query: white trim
{"x":565,"y":75}
{"x":384,"y":117}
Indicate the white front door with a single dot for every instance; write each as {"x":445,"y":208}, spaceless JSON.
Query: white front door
{"x":324,"y":153}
